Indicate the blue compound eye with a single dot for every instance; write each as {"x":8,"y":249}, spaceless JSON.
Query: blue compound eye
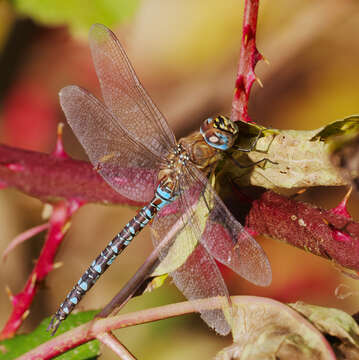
{"x":218,"y":141}
{"x":220,"y":133}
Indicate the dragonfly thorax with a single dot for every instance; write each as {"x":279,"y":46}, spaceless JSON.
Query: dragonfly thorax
{"x":172,"y":169}
{"x":220,"y":132}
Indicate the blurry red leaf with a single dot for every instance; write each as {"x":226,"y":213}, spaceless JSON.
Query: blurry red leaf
{"x":29,"y":117}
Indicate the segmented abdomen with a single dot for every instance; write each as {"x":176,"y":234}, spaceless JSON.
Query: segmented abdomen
{"x":163,"y":196}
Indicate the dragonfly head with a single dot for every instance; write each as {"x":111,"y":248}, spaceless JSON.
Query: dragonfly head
{"x":220,"y":132}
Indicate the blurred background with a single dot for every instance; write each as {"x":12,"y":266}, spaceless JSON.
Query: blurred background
{"x":185,"y":53}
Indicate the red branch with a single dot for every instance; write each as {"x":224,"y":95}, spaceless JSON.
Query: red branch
{"x":50,"y":177}
{"x":249,"y":56}
{"x":21,"y":302}
{"x":326,"y":233}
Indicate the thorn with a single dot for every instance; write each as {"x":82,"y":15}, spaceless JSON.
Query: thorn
{"x":347,"y":195}
{"x":25,"y":314}
{"x":341,"y":208}
{"x":259,"y":81}
{"x":66,"y":227}
{"x":59,"y":147}
{"x":47,"y":211}
{"x":33,"y":280}
{"x":9,"y":293}
{"x":57,"y":265}
{"x":60,"y":128}
{"x":265,"y":60}
{"x":245,"y":39}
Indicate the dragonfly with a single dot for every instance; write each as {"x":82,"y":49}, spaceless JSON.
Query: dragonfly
{"x":130,"y":143}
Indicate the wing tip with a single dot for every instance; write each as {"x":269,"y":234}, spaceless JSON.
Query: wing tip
{"x":68,"y":91}
{"x":99,"y":33}
{"x":98,"y":26}
{"x":266,"y":280}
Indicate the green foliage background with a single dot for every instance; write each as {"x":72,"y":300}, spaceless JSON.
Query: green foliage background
{"x":79,"y":15}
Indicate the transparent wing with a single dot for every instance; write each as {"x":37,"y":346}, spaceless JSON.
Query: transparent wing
{"x":226,"y":239}
{"x":206,"y":230}
{"x":125,"y":164}
{"x":220,"y":233}
{"x":192,"y":268}
{"x":200,"y":278}
{"x":124,"y":95}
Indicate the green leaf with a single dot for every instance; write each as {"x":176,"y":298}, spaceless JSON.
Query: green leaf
{"x":79,"y":15}
{"x":347,"y":126}
{"x":20,"y":344}
{"x":342,"y":140}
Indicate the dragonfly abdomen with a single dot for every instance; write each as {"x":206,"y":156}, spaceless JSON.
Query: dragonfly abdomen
{"x":163,"y":196}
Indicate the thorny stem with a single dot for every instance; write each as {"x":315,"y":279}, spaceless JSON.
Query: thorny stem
{"x":49,"y":177}
{"x":248,"y":58}
{"x":21,"y":302}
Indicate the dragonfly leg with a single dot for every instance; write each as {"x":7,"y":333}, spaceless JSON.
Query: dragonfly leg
{"x":264,"y":161}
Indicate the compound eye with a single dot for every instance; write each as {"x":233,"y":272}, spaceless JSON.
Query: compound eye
{"x":218,"y":139}
{"x":215,"y":136}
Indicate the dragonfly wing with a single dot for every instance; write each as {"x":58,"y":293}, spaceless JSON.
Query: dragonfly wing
{"x":124,"y":163}
{"x":124,"y":94}
{"x":226,"y":239}
{"x":192,"y":268}
{"x":200,"y":278}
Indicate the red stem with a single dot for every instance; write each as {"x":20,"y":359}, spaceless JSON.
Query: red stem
{"x":108,"y":339}
{"x":48,"y":177}
{"x":323,"y":232}
{"x":91,"y":330}
{"x":21,"y":302}
{"x":249,"y":56}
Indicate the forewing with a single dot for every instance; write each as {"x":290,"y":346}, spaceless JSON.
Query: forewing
{"x":192,"y":268}
{"x":125,"y":164}
{"x":124,"y":95}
